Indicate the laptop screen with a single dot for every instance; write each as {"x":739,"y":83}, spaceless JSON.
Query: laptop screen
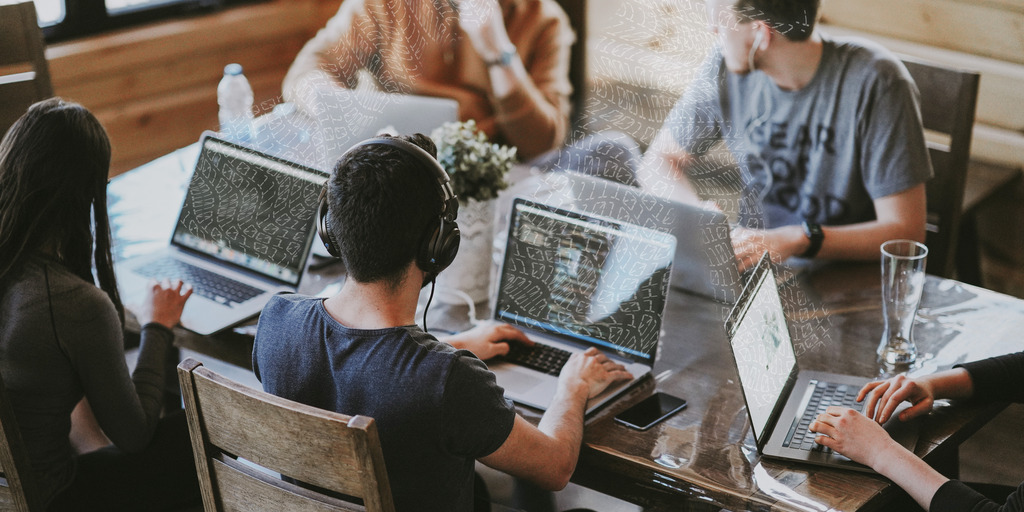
{"x":250,"y":209}
{"x":590,"y":279}
{"x":761,"y":346}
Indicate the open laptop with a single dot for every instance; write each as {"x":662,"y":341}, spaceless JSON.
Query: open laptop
{"x":573,"y":281}
{"x":347,"y":116}
{"x":243,"y":234}
{"x":781,"y":399}
{"x":704,"y":262}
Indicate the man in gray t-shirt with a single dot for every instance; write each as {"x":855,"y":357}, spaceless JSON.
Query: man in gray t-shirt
{"x":826,"y":132}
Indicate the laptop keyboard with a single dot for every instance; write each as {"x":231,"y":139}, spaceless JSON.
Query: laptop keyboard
{"x":824,"y":395}
{"x":540,"y":357}
{"x":207,"y":284}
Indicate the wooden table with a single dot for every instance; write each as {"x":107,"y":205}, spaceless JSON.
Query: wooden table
{"x":704,"y":456}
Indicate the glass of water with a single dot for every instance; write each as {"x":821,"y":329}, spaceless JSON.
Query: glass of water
{"x":903,"y":263}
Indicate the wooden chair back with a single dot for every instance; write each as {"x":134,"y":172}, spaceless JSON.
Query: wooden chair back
{"x":24,"y":74}
{"x":248,"y":444}
{"x":18,"y":488}
{"x":948,"y":101}
{"x":577,"y":12}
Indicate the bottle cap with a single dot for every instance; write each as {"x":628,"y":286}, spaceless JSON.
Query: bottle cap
{"x":233,"y":69}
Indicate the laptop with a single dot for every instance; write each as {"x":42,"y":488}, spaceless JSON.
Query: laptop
{"x":704,"y":263}
{"x":348,"y":116}
{"x":572,"y":281}
{"x":243,"y":234}
{"x":781,"y":399}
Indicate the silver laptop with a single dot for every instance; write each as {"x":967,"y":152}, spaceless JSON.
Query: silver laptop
{"x":573,"y":281}
{"x":782,"y":400}
{"x":346,"y":116}
{"x":704,"y":263}
{"x":243,"y":234}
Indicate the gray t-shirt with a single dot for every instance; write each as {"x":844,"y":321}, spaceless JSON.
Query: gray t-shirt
{"x":853,"y":134}
{"x":437,"y":409}
{"x":60,"y":340}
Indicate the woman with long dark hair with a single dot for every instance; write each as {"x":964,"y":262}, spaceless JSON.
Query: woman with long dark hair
{"x":61,"y":325}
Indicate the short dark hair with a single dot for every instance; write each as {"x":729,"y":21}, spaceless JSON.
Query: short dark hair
{"x":794,"y":19}
{"x":382,"y":201}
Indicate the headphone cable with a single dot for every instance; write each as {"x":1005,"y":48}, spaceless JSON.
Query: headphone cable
{"x":427,"y":307}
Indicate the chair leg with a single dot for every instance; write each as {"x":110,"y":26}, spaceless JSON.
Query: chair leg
{"x":968,"y":251}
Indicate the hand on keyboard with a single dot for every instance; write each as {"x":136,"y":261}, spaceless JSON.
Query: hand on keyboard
{"x":488,"y":340}
{"x":164,"y":302}
{"x":593,"y":370}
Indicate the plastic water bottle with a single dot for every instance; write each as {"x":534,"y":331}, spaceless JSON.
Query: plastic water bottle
{"x":234,"y":95}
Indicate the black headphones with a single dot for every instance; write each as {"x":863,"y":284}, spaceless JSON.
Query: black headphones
{"x":441,"y":242}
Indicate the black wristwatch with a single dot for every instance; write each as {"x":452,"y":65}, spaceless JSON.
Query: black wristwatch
{"x":814,"y":233}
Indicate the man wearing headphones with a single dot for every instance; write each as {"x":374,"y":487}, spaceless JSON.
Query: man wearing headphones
{"x":390,"y":214}
{"x":827,"y":133}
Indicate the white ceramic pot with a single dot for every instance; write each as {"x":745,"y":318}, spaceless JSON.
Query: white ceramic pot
{"x":470,"y":273}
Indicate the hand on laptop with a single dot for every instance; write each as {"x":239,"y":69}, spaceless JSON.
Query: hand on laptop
{"x":593,"y":370}
{"x":855,"y":436}
{"x":487,"y":340}
{"x":164,"y":302}
{"x":884,"y":396}
{"x":781,"y":243}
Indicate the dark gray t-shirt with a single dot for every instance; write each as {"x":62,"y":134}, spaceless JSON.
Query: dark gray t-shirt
{"x":437,"y":409}
{"x":60,"y":340}
{"x":853,"y":134}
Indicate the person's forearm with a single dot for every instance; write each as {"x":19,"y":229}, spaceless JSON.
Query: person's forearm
{"x":863,"y":241}
{"x":529,"y":120}
{"x":955,"y":383}
{"x":911,"y":473}
{"x":563,"y":422}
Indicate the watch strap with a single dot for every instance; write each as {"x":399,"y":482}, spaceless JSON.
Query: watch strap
{"x":504,"y":59}
{"x":816,"y":235}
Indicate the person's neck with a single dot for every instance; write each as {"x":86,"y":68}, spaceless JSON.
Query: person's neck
{"x":793,"y":64}
{"x":377,"y":305}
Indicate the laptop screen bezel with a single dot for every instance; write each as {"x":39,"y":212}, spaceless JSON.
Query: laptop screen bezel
{"x":763,"y":272}
{"x":668,"y":238}
{"x":211,"y":136}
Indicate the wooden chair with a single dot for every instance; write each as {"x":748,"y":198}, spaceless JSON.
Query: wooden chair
{"x":948,"y":100}
{"x":24,"y":74}
{"x":577,"y":12}
{"x":18,"y":488}
{"x":246,"y":442}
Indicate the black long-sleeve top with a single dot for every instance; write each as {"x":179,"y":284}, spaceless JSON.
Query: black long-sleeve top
{"x":995,"y":379}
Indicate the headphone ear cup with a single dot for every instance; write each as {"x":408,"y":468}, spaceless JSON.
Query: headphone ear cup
{"x":439,"y":249}
{"x":323,"y":226}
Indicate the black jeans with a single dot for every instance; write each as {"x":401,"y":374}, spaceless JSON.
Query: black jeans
{"x":160,"y":477}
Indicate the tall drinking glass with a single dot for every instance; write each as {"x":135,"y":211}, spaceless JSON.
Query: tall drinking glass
{"x":903,"y":278}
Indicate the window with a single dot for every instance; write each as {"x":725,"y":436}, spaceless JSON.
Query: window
{"x":49,"y":12}
{"x":63,"y":19}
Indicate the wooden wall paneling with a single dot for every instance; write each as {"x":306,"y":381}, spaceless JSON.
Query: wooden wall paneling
{"x":989,"y":28}
{"x":999,"y":93}
{"x":154,"y":87}
{"x":144,"y":130}
{"x":999,"y":127}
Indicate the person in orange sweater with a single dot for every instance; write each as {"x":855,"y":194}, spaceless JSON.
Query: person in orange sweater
{"x":506,"y":62}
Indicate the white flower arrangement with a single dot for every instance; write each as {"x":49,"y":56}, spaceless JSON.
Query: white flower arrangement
{"x":477,"y":167}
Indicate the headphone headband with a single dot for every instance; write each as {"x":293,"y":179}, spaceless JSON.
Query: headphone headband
{"x":441,"y":242}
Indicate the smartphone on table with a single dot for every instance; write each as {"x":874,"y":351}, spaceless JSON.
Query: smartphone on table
{"x":651,"y":410}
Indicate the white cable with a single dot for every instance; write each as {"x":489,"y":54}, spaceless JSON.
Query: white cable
{"x":466,"y":298}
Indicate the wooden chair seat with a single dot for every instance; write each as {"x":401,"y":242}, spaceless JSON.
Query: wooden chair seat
{"x":251,"y":447}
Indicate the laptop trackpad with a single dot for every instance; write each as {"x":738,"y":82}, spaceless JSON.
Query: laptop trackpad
{"x":521,"y":382}
{"x":903,"y":432}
